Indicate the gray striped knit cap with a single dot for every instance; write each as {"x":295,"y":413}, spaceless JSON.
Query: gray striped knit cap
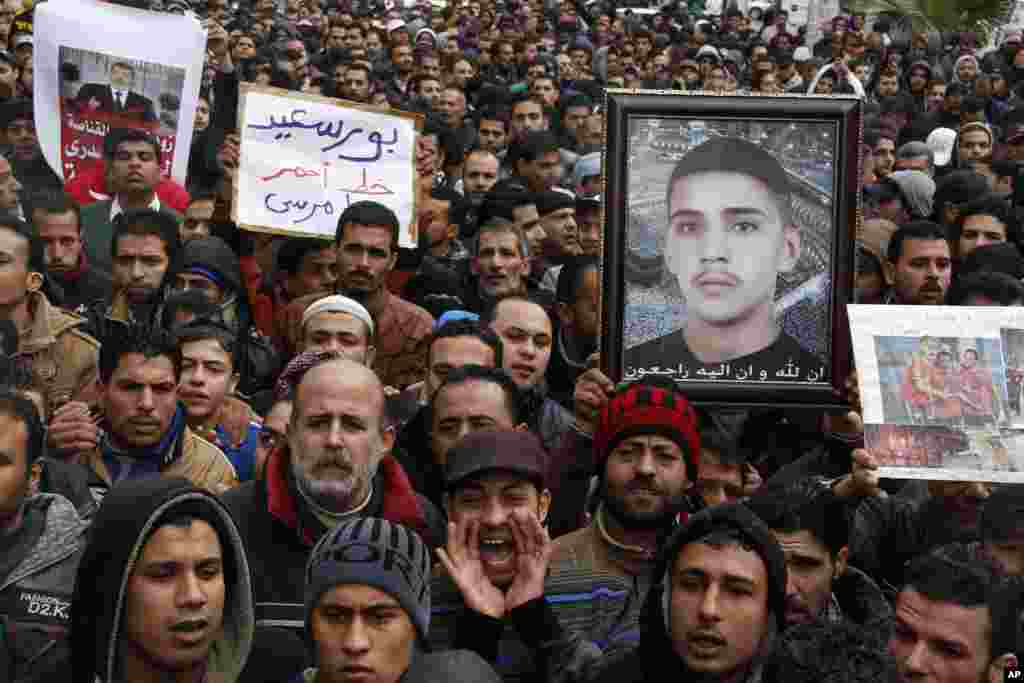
{"x":373,"y":552}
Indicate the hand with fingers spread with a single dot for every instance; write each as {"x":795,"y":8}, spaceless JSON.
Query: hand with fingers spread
{"x":461,"y":557}
{"x":533,"y":552}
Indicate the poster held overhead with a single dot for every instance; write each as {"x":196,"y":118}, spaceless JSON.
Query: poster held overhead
{"x":304,"y":159}
{"x":97,"y":68}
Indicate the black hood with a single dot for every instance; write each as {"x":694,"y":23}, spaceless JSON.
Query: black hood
{"x":213,"y":254}
{"x":126,"y":518}
{"x":734,"y":516}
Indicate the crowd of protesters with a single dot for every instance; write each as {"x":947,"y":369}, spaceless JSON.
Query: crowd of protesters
{"x":232,"y":456}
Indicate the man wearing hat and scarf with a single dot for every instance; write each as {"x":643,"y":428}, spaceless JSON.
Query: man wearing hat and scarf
{"x":646,"y":456}
{"x":376,"y":574}
{"x":719,"y":604}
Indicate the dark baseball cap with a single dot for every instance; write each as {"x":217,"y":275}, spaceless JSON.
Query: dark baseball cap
{"x":516,"y":451}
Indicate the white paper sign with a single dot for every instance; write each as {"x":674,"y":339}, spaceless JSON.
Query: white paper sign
{"x":934,"y":391}
{"x":304,"y":159}
{"x":98,"y":67}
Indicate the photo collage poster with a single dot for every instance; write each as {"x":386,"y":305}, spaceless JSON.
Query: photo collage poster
{"x":941,"y":390}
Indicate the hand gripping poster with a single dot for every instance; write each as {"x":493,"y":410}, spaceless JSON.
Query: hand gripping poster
{"x":100,"y":66}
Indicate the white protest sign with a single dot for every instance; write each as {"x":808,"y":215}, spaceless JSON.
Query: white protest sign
{"x":940,"y":388}
{"x":304,"y":159}
{"x":97,"y":67}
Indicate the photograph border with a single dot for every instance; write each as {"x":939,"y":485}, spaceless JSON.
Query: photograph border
{"x":847,"y":113}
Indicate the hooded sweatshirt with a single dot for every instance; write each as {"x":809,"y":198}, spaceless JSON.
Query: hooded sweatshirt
{"x":655,"y":654}
{"x":128,"y":516}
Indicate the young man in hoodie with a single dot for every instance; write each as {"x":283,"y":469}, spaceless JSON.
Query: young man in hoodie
{"x":162,"y":591}
{"x":719,"y":604}
{"x":41,"y":541}
{"x":368,"y":610}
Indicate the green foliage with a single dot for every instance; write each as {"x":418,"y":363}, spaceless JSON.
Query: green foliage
{"x":979,"y":16}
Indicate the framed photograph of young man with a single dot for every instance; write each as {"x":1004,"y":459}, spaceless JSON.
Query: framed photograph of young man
{"x":729,"y":244}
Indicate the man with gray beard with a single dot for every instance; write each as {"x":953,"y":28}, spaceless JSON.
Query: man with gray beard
{"x":335,"y":464}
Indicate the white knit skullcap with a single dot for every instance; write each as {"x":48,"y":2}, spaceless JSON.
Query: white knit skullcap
{"x":337,"y":303}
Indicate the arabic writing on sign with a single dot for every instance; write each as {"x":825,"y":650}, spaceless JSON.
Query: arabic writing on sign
{"x":371,"y":189}
{"x":297,"y":171}
{"x":87,"y":126}
{"x":790,"y":372}
{"x":278,"y":205}
{"x":80,"y":150}
{"x":334,"y":130}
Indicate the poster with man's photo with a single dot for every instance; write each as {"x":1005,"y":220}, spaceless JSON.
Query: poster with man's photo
{"x":98,"y":68}
{"x":937,"y":392}
{"x":100,"y":92}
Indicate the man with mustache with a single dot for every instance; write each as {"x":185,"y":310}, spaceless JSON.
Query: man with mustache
{"x":500,"y":596}
{"x":335,"y":465}
{"x":918,"y":265}
{"x":718,"y":606}
{"x":142,"y":431}
{"x":730,"y":234}
{"x":367,"y":250}
{"x":162,"y":591}
{"x":58,"y":220}
{"x":646,"y":454}
{"x":809,"y":522}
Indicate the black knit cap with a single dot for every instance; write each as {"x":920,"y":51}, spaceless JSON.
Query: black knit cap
{"x":732,"y":155}
{"x":737,"y":518}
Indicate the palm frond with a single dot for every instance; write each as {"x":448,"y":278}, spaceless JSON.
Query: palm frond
{"x":941,"y":15}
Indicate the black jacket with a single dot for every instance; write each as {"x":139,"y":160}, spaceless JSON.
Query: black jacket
{"x":91,"y":286}
{"x":280,"y":532}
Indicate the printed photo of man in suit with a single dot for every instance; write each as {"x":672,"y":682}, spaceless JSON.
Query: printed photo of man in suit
{"x":117,"y":97}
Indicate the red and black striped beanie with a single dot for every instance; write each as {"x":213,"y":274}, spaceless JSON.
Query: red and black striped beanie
{"x":649,"y":406}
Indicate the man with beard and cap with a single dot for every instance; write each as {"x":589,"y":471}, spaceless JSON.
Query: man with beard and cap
{"x":334,"y":466}
{"x":719,"y":604}
{"x":646,"y":453}
{"x":163,"y":590}
{"x":376,"y":575}
{"x":41,"y":541}
{"x":918,"y":265}
{"x":367,"y":249}
{"x":809,"y":522}
{"x":499,"y":595}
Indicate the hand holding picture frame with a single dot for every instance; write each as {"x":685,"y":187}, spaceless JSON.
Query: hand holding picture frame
{"x":729,"y":244}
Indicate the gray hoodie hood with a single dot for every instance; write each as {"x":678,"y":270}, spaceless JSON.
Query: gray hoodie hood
{"x":129,"y":515}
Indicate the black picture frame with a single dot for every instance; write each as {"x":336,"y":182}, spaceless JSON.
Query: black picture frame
{"x":816,"y":140}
